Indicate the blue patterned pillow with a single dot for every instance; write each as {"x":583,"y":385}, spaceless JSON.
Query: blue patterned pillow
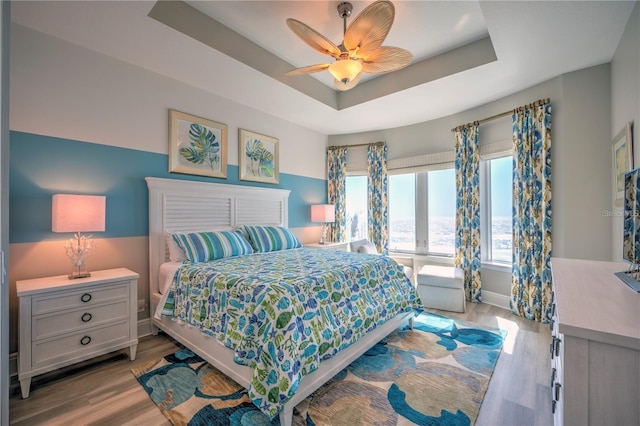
{"x":205,"y":246}
{"x":271,"y":238}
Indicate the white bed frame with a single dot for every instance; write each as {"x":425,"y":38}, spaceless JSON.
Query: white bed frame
{"x":181,"y":205}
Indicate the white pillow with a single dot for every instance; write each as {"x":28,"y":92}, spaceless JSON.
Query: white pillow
{"x":368,"y":248}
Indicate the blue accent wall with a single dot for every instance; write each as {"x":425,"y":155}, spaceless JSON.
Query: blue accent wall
{"x":40,"y":166}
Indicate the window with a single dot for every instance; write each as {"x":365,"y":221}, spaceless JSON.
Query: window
{"x":441,"y":216}
{"x":356,"y":194}
{"x":497,"y":210}
{"x":402,"y":212}
{"x":422,"y":212}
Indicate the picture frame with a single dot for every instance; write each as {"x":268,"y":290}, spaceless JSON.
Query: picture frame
{"x":197,"y":146}
{"x":258,"y":157}
{"x":622,"y":153}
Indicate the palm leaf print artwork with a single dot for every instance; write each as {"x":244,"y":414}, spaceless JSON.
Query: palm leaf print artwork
{"x":203,"y":149}
{"x":261,"y":159}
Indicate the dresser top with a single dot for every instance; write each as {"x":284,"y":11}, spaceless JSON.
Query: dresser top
{"x":592,"y":303}
{"x":61,"y":282}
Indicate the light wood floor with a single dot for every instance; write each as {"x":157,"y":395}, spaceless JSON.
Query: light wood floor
{"x":105,"y":392}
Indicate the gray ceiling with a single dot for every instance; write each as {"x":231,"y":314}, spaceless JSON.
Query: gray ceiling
{"x":466,"y":53}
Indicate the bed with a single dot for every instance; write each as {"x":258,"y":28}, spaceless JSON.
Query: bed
{"x":180,"y":206}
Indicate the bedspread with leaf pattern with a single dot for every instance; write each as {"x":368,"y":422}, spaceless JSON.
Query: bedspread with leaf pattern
{"x":283,"y":312}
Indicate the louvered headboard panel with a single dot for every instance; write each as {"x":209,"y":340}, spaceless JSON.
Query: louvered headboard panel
{"x":182,"y":205}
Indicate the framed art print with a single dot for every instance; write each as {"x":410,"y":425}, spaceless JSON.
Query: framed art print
{"x":622,"y":161}
{"x":258,"y":154}
{"x":197,"y":146}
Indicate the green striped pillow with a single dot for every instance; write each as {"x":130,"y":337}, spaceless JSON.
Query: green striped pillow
{"x":271,"y":238}
{"x":206,"y":246}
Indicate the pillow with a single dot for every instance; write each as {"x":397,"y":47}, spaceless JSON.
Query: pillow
{"x":355,"y":245}
{"x":175,"y":252}
{"x":368,"y":248}
{"x":206,"y":246}
{"x":271,"y":238}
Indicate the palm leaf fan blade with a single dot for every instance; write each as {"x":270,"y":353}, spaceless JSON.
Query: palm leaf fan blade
{"x":313,"y":38}
{"x":309,"y":69}
{"x":386,"y":59}
{"x":367,"y":32}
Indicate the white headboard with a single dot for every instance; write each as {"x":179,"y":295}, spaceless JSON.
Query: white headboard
{"x":183,"y":205}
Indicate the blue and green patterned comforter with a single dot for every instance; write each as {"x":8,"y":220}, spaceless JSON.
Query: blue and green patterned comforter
{"x":283,"y":312}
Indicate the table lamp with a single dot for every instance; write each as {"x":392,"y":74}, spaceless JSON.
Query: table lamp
{"x":325,"y":213}
{"x":78,"y":213}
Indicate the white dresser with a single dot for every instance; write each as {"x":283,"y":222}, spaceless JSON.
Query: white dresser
{"x":65,"y":321}
{"x":595,"y":349}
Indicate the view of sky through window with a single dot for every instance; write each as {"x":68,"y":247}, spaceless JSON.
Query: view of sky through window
{"x":501,"y":208}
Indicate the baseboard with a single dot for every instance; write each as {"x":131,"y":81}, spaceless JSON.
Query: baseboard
{"x":144,"y":329}
{"x":13,"y":365}
{"x":496,"y":299}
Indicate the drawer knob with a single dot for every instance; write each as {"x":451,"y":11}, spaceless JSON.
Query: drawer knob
{"x":85,"y":297}
{"x":85,"y":340}
{"x":557,"y":346}
{"x":86,"y":317}
{"x":557,"y":387}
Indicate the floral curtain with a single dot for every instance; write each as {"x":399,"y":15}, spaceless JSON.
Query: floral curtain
{"x":467,"y":242}
{"x":336,"y":177}
{"x":377,"y":209}
{"x":531,"y":275}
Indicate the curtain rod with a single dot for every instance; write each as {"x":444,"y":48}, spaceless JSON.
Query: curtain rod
{"x":539,"y":102}
{"x":355,"y":145}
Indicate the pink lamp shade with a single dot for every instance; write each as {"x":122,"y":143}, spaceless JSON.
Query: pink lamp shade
{"x":324,"y":213}
{"x":78,"y":213}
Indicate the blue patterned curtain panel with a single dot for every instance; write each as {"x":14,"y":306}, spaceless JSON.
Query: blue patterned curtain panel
{"x":467,"y":242}
{"x":531,"y":277}
{"x":377,"y":194}
{"x":336,"y":186}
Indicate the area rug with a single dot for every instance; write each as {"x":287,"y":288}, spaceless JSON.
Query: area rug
{"x":435,"y":374}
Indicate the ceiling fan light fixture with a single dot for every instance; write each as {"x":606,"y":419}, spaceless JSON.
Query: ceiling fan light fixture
{"x":345,"y":70}
{"x":361,"y":50}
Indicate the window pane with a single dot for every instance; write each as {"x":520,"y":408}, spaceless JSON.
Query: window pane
{"x":402,"y":212}
{"x":501,"y":208}
{"x":356,"y":193}
{"x":441,"y":219}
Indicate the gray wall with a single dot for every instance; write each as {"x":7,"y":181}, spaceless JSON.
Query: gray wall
{"x":625,"y":101}
{"x":581,"y":156}
{"x":5,"y":25}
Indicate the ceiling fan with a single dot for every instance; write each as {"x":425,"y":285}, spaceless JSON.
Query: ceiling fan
{"x":360,"y":51}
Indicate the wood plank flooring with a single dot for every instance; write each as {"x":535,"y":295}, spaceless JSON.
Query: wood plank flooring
{"x":105,"y":392}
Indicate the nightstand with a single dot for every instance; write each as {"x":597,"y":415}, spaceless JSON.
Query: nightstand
{"x":329,"y":246}
{"x":65,"y":321}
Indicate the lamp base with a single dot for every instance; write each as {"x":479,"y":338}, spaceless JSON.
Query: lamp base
{"x":77,"y":274}
{"x":323,"y":234}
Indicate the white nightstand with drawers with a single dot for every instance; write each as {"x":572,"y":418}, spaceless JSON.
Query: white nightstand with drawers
{"x":65,"y":321}
{"x":329,"y":246}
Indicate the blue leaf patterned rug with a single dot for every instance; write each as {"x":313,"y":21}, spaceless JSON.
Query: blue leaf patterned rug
{"x":435,"y":374}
